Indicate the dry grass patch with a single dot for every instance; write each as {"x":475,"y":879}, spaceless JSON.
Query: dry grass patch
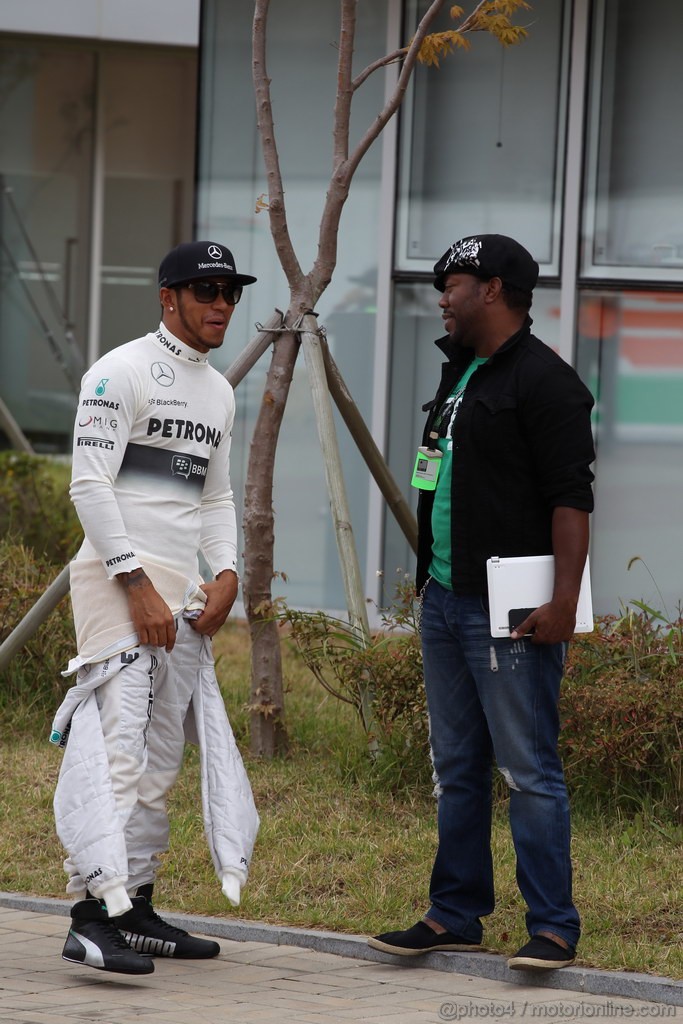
{"x":340,"y":850}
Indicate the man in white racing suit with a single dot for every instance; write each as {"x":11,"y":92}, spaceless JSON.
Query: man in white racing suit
{"x":151,"y":486}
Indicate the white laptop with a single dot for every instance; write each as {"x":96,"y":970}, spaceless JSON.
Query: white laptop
{"x":524,"y":583}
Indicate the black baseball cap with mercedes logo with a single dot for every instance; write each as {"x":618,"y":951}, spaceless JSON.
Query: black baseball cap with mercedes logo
{"x":197,"y":261}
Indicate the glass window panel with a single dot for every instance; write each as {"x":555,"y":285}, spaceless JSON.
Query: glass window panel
{"x":48,"y":136}
{"x":150,"y":100}
{"x":46,"y":139}
{"x":634,"y":202}
{"x":630,"y":351}
{"x":482,"y":143}
{"x":302,"y":63}
{"x":415,"y":374}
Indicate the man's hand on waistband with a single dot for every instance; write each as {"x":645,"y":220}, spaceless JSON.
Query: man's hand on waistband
{"x":220,"y":597}
{"x":151,"y":616}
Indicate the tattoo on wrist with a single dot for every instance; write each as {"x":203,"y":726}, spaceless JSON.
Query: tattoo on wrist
{"x":133,"y":579}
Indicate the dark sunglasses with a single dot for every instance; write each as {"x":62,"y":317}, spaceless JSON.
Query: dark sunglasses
{"x":208,"y":291}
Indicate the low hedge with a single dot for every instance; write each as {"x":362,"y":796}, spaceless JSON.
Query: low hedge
{"x":621,"y":703}
{"x":35,"y":509}
{"x":31,"y":687}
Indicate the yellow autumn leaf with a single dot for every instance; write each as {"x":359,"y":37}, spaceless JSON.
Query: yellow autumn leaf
{"x":506,"y":8}
{"x":493,"y":17}
{"x":440,"y":44}
{"x":510,"y":7}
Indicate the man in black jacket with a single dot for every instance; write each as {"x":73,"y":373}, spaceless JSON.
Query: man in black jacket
{"x":511,"y":424}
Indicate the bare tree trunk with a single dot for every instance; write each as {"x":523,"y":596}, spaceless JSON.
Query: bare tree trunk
{"x":268,"y":732}
{"x":305,"y":289}
{"x":268,"y":735}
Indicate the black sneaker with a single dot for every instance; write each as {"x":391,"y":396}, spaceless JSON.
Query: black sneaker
{"x":542,"y":954}
{"x":150,"y":935}
{"x":94,"y":941}
{"x":421,"y":939}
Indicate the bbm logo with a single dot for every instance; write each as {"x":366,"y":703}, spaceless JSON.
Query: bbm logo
{"x":181,"y":466}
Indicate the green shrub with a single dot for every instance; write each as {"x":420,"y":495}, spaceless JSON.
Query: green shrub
{"x":621,"y":703}
{"x":391,"y":666}
{"x":35,"y":508}
{"x":31,"y":687}
{"x":622,"y":712}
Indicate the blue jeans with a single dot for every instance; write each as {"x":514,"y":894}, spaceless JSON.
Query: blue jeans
{"x":494,"y":698}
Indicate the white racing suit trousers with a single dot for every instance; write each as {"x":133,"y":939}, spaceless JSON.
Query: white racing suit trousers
{"x":124,"y":749}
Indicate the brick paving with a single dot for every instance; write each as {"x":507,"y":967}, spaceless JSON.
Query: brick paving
{"x":267,"y":983}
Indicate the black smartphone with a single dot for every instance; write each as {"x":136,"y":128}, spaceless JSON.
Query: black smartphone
{"x":517,"y":616}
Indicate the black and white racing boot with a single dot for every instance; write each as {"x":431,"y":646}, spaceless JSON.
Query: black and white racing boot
{"x":149,"y":934}
{"x":95,"y":941}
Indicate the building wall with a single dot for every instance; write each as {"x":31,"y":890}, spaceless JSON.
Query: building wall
{"x":159,"y":22}
{"x":572,"y":142}
{"x":566,"y":142}
{"x":302,"y":65}
{"x":97,"y":154}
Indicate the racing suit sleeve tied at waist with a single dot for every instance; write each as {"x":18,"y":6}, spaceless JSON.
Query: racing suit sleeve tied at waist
{"x":113,"y":837}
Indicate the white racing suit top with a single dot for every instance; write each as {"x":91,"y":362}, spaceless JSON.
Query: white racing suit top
{"x":151,"y":487}
{"x":150,"y":481}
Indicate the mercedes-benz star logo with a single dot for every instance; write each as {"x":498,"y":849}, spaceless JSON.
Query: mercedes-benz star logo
{"x":214,"y":252}
{"x":163,"y":374}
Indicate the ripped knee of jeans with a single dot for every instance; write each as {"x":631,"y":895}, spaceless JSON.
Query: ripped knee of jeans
{"x":437,"y":790}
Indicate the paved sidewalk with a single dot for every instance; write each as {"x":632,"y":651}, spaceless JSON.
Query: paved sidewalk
{"x":269,"y":983}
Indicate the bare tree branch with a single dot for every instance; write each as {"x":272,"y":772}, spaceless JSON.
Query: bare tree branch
{"x":397,"y":95}
{"x":341,"y":179}
{"x":264,"y":119}
{"x":382,"y":62}
{"x":342,"y":108}
{"x":471,"y":23}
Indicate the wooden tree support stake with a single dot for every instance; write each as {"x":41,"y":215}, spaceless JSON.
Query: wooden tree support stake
{"x":348,"y":557}
{"x":15,"y":434}
{"x":365,"y":443}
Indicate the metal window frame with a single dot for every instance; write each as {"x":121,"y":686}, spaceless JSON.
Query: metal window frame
{"x":572,"y":205}
{"x":406,"y":264}
{"x":381,"y":396}
{"x":601,"y":71}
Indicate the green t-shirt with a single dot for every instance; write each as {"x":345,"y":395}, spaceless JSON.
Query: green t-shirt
{"x":440,"y":566}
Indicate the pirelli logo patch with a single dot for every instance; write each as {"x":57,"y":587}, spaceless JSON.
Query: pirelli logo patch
{"x":94,"y":442}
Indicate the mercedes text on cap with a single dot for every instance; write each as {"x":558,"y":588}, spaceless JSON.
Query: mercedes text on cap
{"x":197,"y":261}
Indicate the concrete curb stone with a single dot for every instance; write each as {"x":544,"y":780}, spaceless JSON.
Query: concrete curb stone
{"x":491,"y":966}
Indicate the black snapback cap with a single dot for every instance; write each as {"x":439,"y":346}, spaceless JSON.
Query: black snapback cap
{"x":196,"y":261}
{"x":488,"y":256}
